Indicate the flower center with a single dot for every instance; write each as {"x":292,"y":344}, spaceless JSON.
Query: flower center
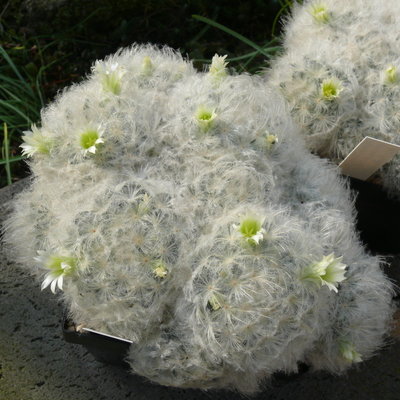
{"x":205,"y":116}
{"x":331,"y":88}
{"x":88,"y":139}
{"x":60,"y":265}
{"x":249,"y":227}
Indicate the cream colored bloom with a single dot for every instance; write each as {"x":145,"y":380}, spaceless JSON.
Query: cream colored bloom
{"x":331,"y":88}
{"x":320,"y":13}
{"x":391,"y":75}
{"x":270,"y":141}
{"x":91,"y":138}
{"x":349,"y":352}
{"x":147,"y":66}
{"x":214,"y":302}
{"x":251,"y":230}
{"x":110,"y":76}
{"x":205,"y":117}
{"x":160,"y":270}
{"x":59,"y":266}
{"x":218,"y":67}
{"x":329,"y":272}
{"x":35,"y":141}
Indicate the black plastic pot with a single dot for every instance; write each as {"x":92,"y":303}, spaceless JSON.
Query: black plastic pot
{"x":104,"y":348}
{"x":378,"y":218}
{"x":110,"y":350}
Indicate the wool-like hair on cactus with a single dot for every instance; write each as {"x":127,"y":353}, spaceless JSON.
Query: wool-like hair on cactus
{"x":181,"y":210}
{"x":340,"y":74}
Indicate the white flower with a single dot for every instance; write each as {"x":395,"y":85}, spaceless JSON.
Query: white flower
{"x":147,"y":66}
{"x":320,"y":13}
{"x":205,"y":117}
{"x":110,"y":76}
{"x":331,"y":88}
{"x":59,"y":266}
{"x":215,"y":302}
{"x":91,"y":138}
{"x":159,"y":269}
{"x":218,"y":67}
{"x":329,"y":271}
{"x":251,"y":230}
{"x":349,"y":352}
{"x":35,"y":142}
{"x":270,"y":141}
{"x":391,"y":75}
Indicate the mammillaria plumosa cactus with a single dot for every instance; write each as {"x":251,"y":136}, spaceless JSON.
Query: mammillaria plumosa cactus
{"x":181,"y":210}
{"x":340,"y":75}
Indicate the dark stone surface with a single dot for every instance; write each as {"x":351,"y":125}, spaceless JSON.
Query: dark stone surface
{"x":37,"y":364}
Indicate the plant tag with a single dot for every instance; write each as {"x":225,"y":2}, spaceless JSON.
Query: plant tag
{"x":367,"y":157}
{"x":105,"y":334}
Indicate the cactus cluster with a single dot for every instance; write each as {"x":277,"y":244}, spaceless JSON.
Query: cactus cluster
{"x":181,"y":210}
{"x":340,"y":74}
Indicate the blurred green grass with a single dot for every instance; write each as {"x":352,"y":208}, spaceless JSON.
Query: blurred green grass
{"x":46,"y":45}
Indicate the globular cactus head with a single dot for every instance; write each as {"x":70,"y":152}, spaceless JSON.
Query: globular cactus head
{"x":340,"y":76}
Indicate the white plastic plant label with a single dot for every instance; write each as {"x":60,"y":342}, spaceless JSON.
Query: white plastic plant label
{"x":80,"y":329}
{"x":367,"y":157}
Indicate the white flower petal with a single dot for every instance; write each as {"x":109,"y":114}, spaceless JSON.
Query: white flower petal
{"x":28,"y":150}
{"x":53,"y":285}
{"x":60,"y":281}
{"x":330,"y":285}
{"x":259,"y":235}
{"x":46,"y":282}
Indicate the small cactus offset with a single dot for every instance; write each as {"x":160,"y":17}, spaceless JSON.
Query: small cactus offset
{"x":181,"y":210}
{"x":340,"y":75}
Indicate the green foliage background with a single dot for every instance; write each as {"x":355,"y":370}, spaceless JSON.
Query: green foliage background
{"x":47,"y":45}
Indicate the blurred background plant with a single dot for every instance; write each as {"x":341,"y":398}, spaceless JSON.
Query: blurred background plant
{"x":46,"y":45}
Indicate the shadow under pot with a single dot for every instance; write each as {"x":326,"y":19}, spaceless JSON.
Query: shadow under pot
{"x":378,"y":217}
{"x":113,"y":350}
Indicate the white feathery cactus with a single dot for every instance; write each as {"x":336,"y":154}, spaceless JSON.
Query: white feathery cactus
{"x":340,"y":76}
{"x":199,"y":227}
